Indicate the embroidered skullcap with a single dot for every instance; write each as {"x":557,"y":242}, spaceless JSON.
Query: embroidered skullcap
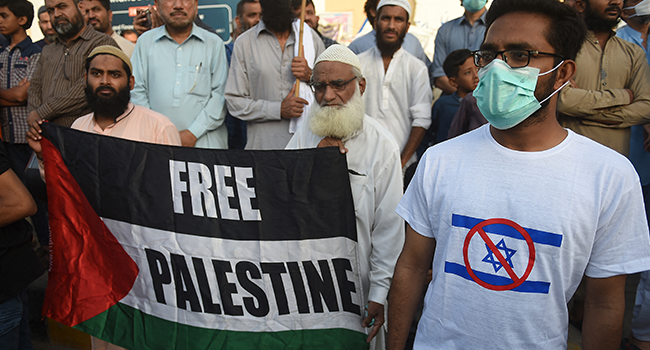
{"x":113,"y":51}
{"x":401,"y":3}
{"x":339,"y":53}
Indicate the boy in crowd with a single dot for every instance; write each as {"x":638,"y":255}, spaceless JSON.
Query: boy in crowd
{"x":18,"y":60}
{"x":463,"y":75}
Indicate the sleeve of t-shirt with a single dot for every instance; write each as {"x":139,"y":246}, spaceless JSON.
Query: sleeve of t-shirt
{"x":622,"y":242}
{"x":413,"y":207}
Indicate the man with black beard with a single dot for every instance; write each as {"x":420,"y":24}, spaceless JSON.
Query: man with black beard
{"x":108,"y":85}
{"x":338,"y":118}
{"x":263,"y":71}
{"x":56,"y":92}
{"x":611,"y":89}
{"x":399,"y":95}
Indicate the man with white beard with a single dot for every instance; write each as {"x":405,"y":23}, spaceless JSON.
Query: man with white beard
{"x":338,"y":119}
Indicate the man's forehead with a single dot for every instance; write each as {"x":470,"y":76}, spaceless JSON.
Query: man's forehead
{"x":518,"y":30}
{"x":392,"y":10}
{"x":252,"y":7}
{"x":55,"y":3}
{"x":107,"y":62}
{"x":332,"y":70}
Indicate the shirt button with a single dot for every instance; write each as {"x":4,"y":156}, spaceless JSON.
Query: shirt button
{"x":179,"y":65}
{"x":604,"y":83}
{"x":179,"y":49}
{"x":178,"y":83}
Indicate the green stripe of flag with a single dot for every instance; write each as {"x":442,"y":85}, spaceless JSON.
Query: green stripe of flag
{"x":133,"y":329}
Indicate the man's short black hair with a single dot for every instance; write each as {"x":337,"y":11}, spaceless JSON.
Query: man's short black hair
{"x":371,"y":5}
{"x":106,"y":4}
{"x":240,"y":6}
{"x":124,"y":65}
{"x":20,"y":8}
{"x":454,"y":60}
{"x":296,"y":4}
{"x":565,"y":33}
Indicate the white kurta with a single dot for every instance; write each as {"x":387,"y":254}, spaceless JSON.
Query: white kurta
{"x":377,"y":190}
{"x":399,"y":98}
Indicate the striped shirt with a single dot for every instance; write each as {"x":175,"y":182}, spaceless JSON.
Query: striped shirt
{"x":16,"y":64}
{"x":57,"y":88}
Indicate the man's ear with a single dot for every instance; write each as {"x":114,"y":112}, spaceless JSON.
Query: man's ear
{"x":564,"y":73}
{"x":580,"y":6}
{"x":131,"y":82}
{"x":362,"y":85}
{"x":238,"y":21}
{"x":22,"y":20}
{"x":110,"y":16}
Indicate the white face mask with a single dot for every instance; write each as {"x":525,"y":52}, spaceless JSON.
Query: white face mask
{"x":641,"y":9}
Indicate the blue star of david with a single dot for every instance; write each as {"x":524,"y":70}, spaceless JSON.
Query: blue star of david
{"x":507,"y":254}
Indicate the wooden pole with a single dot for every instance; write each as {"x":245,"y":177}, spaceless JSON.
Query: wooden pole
{"x":300,"y":51}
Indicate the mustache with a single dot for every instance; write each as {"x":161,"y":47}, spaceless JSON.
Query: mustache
{"x":178,"y":12}
{"x":105,"y":88}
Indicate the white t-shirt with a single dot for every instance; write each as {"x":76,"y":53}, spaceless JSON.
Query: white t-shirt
{"x":548,"y":217}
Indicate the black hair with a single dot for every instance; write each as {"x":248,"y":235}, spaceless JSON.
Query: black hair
{"x":296,"y":4}
{"x":454,"y":60}
{"x":20,"y":8}
{"x":371,"y":5}
{"x":565,"y":33}
{"x":240,"y":6}
{"x":106,"y":4}
{"x":90,"y":59}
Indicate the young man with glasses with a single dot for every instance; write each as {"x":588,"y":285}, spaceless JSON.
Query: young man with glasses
{"x":519,"y":209}
{"x":338,"y":119}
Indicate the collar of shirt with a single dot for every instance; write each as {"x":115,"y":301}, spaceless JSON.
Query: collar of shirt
{"x":21,"y":45}
{"x":196,"y":32}
{"x":129,"y":109}
{"x":463,"y":19}
{"x":630,"y":34}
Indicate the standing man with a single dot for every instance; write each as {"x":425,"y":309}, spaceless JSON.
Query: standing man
{"x":108,"y":85}
{"x":399,"y":96}
{"x":180,"y":71}
{"x":611,"y":89}
{"x":519,"y":209}
{"x":368,"y":41}
{"x":338,"y":119}
{"x":56,"y":92}
{"x":464,"y":32}
{"x":263,"y":72}
{"x":311,"y":19}
{"x":100,"y":17}
{"x":49,"y":35}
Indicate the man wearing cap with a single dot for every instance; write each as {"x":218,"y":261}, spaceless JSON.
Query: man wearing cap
{"x":108,"y":86}
{"x":338,"y":119}
{"x":399,"y":95}
{"x":180,"y":71}
{"x":49,"y":35}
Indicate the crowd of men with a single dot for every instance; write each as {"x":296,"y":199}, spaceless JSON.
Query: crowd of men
{"x":530,"y":174}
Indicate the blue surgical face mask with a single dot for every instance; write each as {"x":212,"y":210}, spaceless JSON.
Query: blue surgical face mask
{"x":474,"y":6}
{"x":641,"y":9}
{"x":506,"y":96}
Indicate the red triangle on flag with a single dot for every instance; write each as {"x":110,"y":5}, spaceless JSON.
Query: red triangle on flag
{"x":89,"y":269}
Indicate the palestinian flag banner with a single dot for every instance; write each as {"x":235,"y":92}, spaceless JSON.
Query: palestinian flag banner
{"x":161,"y":247}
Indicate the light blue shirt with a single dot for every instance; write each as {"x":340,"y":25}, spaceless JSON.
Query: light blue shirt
{"x":411,"y":45}
{"x":455,"y":35}
{"x":638,"y":156}
{"x":185,"y":82}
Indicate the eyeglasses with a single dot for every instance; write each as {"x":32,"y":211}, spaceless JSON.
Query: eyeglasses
{"x":336,"y":85}
{"x":514,"y":58}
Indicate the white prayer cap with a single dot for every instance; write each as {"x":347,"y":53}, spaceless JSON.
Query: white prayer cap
{"x":401,"y":3}
{"x":339,"y":53}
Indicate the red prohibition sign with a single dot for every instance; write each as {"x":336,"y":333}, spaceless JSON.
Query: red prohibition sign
{"x":516,"y":280}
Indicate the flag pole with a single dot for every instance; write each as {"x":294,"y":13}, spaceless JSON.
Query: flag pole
{"x":300,"y":50}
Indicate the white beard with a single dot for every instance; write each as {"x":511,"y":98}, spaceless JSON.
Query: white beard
{"x":338,"y":122}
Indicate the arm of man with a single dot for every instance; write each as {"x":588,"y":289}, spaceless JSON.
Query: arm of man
{"x":17,"y":95}
{"x":213,"y":113}
{"x":408,"y":283}
{"x":387,"y":236}
{"x":420,"y":97}
{"x":581,"y":103}
{"x":604,"y":309}
{"x":440,"y":80}
{"x":15,"y":200}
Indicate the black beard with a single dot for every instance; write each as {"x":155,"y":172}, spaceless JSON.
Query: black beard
{"x":109,"y":107}
{"x":596,"y":23}
{"x":387,"y":48}
{"x":277,"y":15}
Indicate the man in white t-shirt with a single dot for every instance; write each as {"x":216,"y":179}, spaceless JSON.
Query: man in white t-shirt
{"x":519,"y":209}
